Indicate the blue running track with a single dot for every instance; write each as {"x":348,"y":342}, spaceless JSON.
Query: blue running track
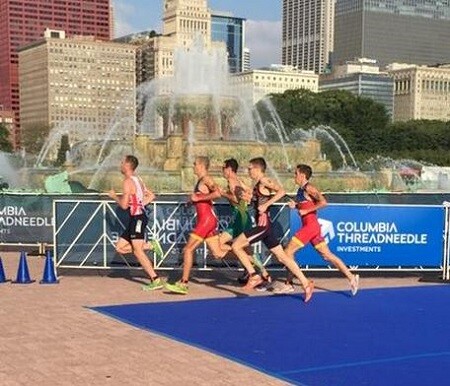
{"x":394,"y":336}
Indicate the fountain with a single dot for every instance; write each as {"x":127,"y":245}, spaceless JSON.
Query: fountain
{"x":198,"y":111}
{"x":194,"y":112}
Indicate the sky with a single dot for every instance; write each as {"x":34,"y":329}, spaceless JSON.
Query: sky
{"x":263,"y":25}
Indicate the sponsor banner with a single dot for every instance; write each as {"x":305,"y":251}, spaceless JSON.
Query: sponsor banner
{"x":378,"y":235}
{"x":27,"y":218}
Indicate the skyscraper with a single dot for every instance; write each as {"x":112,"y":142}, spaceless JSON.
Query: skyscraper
{"x":307,"y":33}
{"x":184,"y":19}
{"x":24,"y":21}
{"x":392,"y":31}
{"x":79,"y":82}
{"x":230,"y":30}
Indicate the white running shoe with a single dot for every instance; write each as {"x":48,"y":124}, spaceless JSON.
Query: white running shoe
{"x":354,"y":284}
{"x":285,"y":288}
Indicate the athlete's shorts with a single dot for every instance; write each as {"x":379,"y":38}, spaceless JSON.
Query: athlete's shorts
{"x":264,"y":234}
{"x":240,"y":223}
{"x":309,"y":233}
{"x":136,"y":228}
{"x":206,"y":227}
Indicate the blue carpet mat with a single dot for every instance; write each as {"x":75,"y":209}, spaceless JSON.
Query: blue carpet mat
{"x":394,"y":336}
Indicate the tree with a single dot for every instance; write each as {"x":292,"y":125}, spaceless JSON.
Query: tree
{"x":34,"y":137}
{"x":5,"y":144}
{"x":62,"y":151}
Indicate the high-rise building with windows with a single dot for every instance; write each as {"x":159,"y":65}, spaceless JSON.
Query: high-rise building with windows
{"x":24,"y":21}
{"x":79,"y":82}
{"x":307,"y":34}
{"x":276,"y":79}
{"x":247,"y":64}
{"x":391,"y":31}
{"x":362,"y":77}
{"x":185,"y":19}
{"x":230,"y":30}
{"x":421,"y":92}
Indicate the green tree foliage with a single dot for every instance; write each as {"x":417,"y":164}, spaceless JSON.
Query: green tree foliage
{"x":363,"y":123}
{"x":33,"y":137}
{"x":5,"y":143}
{"x":62,"y":151}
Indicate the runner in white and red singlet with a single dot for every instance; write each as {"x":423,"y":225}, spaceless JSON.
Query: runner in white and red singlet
{"x":134,"y":198}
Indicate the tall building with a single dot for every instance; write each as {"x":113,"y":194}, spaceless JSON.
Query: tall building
{"x":230,"y":30}
{"x":7,"y":119}
{"x":308,"y":34}
{"x":183,"y":22}
{"x":184,"y":19}
{"x":421,"y":92}
{"x":276,"y":79}
{"x":24,"y":21}
{"x":247,"y":64}
{"x":77,"y":81}
{"x":389,"y":31}
{"x":362,"y":77}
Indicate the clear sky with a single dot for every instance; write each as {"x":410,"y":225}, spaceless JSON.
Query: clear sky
{"x":263,"y":26}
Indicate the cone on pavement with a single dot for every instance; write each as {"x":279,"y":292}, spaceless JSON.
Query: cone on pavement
{"x":2,"y":273}
{"x":49,"y":275}
{"x":23,"y":274}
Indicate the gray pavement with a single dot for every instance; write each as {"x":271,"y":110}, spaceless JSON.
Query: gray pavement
{"x":49,"y":337}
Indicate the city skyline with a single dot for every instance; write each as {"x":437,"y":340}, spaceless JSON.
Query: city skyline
{"x":263,"y":26}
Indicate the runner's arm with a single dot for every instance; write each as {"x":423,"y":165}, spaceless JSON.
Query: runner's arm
{"x":124,"y":200}
{"x":214,"y":191}
{"x":317,"y":197}
{"x":273,"y":187}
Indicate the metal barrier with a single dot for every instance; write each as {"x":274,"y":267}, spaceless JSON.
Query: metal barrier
{"x":446,"y":254}
{"x":85,"y":232}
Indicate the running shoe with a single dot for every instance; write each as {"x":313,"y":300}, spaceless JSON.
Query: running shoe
{"x":309,"y":291}
{"x":177,"y":288}
{"x":243,"y":278}
{"x":253,"y":281}
{"x":285,"y":288}
{"x":266,"y":285}
{"x":156,"y":284}
{"x":354,"y":284}
{"x":156,"y":248}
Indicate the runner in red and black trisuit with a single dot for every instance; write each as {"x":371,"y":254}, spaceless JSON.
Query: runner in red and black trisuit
{"x":262,"y":200}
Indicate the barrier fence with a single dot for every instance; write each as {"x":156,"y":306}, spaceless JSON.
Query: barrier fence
{"x":366,"y":237}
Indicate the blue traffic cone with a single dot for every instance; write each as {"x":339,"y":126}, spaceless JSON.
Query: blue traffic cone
{"x":2,"y":272}
{"x":23,"y":275}
{"x":49,"y":276}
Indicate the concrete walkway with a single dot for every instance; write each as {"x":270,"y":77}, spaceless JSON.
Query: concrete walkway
{"x":49,"y":337}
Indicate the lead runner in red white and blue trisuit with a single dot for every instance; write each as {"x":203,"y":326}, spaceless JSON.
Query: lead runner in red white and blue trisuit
{"x":307,"y":201}
{"x":134,"y":198}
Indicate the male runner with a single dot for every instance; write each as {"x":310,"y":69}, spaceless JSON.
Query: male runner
{"x":134,"y":198}
{"x":308,"y":200}
{"x":261,"y":201}
{"x":239,"y":196}
{"x":205,"y":191}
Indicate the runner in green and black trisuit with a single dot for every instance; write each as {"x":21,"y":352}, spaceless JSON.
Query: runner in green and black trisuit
{"x":239,"y":196}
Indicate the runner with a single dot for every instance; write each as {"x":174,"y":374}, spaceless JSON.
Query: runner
{"x":239,"y":196}
{"x":134,"y":198}
{"x":205,"y":191}
{"x":262,"y":200}
{"x":308,"y":200}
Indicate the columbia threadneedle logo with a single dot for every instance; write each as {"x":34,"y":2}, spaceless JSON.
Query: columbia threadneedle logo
{"x":327,"y":230}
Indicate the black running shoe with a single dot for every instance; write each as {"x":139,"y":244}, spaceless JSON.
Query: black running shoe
{"x":243,"y":279}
